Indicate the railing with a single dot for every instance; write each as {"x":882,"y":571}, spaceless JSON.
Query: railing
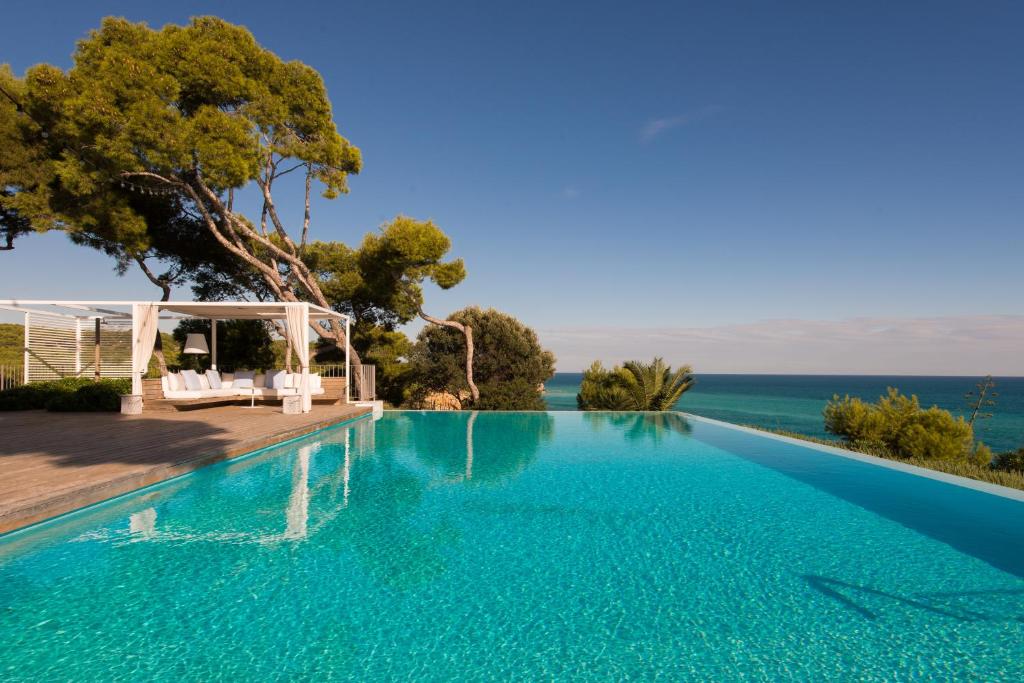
{"x":11,"y":376}
{"x":364,"y":379}
{"x":364,"y":384}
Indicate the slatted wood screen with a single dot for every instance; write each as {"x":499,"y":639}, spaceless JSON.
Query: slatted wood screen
{"x":61,"y":346}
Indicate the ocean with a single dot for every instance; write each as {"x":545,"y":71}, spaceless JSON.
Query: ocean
{"x":795,"y":402}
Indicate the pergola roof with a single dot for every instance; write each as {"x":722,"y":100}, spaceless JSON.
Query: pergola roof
{"x":219,"y":310}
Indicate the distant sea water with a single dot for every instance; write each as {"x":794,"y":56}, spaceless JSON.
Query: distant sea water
{"x":795,"y":402}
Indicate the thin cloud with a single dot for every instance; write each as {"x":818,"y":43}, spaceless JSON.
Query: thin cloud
{"x":656,"y":127}
{"x":950,"y":345}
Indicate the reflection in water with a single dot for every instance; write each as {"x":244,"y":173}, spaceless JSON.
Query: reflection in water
{"x":640,"y":426}
{"x":377,"y":525}
{"x":486,"y":455}
{"x":297,"y":514}
{"x":855,"y":597}
{"x":469,"y":444}
{"x":142,"y":524}
{"x":340,"y":492}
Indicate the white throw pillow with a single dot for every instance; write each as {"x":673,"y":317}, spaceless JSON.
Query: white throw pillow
{"x":204,"y":382}
{"x":213,"y":377}
{"x":243,"y":379}
{"x":277,"y":379}
{"x":174,"y":382}
{"x":314,"y":381}
{"x":191,"y":380}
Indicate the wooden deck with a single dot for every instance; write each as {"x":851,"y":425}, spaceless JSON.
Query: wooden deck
{"x":52,"y":463}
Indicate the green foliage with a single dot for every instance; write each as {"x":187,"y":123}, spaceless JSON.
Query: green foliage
{"x":203,"y":97}
{"x":634,"y":386}
{"x":516,"y":394}
{"x":12,"y":341}
{"x":240,"y":344}
{"x":898,"y":426}
{"x":388,"y":350}
{"x":102,"y":396}
{"x":69,"y":394}
{"x":392,"y":266}
{"x":506,"y":352}
{"x":182,"y":115}
{"x":1012,"y":461}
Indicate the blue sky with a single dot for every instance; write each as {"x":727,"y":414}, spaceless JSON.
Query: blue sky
{"x":607,"y":166}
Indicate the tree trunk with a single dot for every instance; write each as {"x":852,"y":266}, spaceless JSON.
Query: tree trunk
{"x":467,"y":332}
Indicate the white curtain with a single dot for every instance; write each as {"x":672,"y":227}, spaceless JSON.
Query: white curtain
{"x":145,"y":318}
{"x":298,"y":333}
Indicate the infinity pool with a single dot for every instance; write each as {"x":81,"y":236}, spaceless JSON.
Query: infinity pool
{"x":525,"y":546}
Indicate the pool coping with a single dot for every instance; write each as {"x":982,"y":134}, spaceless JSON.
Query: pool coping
{"x":193,"y":467}
{"x":945,"y":477}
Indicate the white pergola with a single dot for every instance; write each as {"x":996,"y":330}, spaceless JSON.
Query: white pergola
{"x":144,"y":317}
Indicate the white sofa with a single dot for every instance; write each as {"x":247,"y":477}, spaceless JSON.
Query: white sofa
{"x":189,"y":384}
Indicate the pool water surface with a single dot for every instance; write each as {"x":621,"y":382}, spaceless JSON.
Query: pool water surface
{"x":443,"y":546}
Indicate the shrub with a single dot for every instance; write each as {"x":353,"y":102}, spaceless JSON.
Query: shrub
{"x":517,"y":394}
{"x":102,"y":396}
{"x":68,"y":394}
{"x":898,"y":427}
{"x":634,"y":386}
{"x":506,"y":352}
{"x":1012,"y":461}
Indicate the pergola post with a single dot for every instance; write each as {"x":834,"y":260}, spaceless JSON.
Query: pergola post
{"x":136,"y":329}
{"x":96,"y":352}
{"x":78,"y":347}
{"x":213,"y":343}
{"x":25,"y":353}
{"x":307,"y":397}
{"x":348,"y":361}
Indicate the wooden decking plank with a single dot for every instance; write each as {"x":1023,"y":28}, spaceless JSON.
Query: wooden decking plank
{"x":52,"y":463}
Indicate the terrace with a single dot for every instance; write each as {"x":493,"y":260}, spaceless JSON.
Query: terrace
{"x":52,"y":464}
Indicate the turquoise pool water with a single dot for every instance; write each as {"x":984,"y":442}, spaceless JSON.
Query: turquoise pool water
{"x":529,"y":546}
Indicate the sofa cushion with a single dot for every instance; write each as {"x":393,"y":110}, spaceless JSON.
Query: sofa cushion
{"x":243,"y":379}
{"x":204,"y":382}
{"x":276,"y":379}
{"x":191,"y":380}
{"x":314,"y":381}
{"x":213,"y":377}
{"x":264,"y":392}
{"x":183,"y":394}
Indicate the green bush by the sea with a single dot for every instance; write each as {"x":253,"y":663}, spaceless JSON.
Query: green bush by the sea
{"x":1002,"y":471}
{"x":71,"y":394}
{"x":1012,"y":461}
{"x":898,"y":427}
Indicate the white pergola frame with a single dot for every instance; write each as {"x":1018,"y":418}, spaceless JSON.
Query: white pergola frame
{"x":210,"y":310}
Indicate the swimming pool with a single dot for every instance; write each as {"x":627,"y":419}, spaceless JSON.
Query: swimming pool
{"x":530,"y":546}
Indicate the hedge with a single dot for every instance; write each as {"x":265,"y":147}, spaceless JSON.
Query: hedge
{"x":72,"y":394}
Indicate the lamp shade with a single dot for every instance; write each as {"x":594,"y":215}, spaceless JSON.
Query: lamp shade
{"x":195,"y":342}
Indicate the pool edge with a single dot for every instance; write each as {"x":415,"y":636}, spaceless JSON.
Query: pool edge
{"x":945,"y":477}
